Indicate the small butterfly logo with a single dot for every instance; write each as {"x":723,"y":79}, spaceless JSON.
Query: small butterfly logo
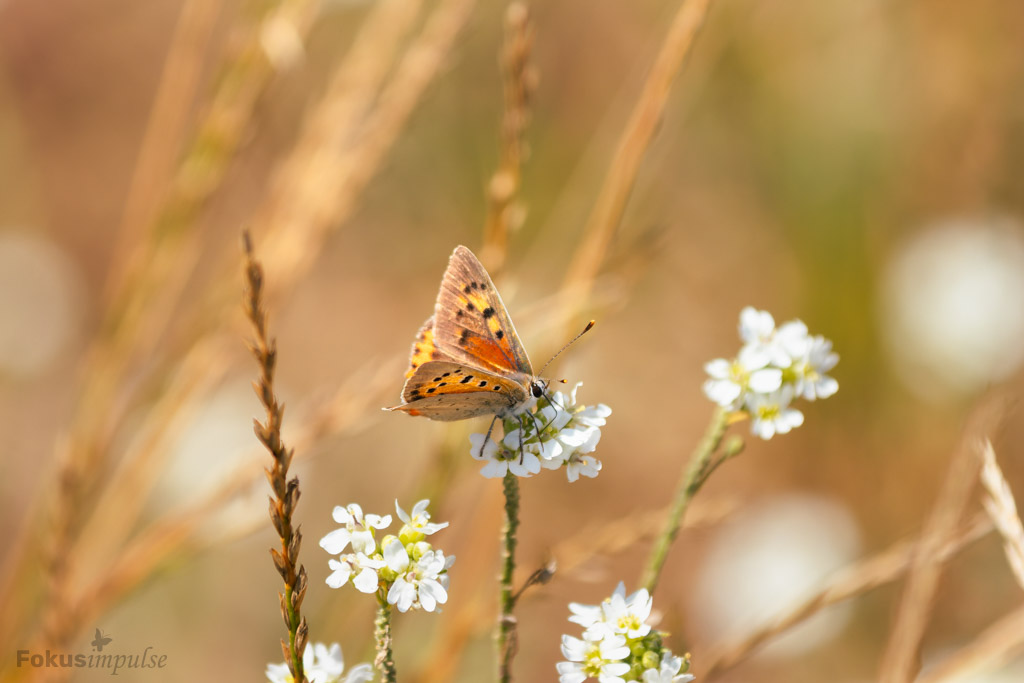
{"x":100,"y":640}
{"x":467,"y":360}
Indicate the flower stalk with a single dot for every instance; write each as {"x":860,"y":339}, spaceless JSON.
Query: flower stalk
{"x":286,"y":491}
{"x":384,"y":662}
{"x":507,"y":621}
{"x":701,"y":464}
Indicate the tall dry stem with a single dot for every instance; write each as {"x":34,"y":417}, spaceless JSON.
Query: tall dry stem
{"x":620,"y":178}
{"x":901,"y":659}
{"x":504,"y":214}
{"x":1002,"y":509}
{"x":133,"y":318}
{"x":286,"y":491}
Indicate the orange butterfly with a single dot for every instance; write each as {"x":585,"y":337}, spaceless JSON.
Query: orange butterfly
{"x":467,"y":360}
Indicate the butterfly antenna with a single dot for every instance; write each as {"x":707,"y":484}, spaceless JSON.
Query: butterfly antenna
{"x":571,"y":342}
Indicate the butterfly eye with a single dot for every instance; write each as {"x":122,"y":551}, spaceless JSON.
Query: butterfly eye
{"x":537,"y":389}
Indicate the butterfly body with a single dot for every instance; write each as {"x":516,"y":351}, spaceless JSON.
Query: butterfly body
{"x":467,"y":359}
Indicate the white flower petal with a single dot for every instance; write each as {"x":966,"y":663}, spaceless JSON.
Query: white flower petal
{"x":765,"y":381}
{"x":396,"y":556}
{"x":722,"y":391}
{"x":366,"y":581}
{"x":336,"y":541}
{"x":494,"y":469}
{"x":360,"y":674}
{"x":340,"y":575}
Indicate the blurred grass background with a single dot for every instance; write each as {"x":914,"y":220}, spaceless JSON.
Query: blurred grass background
{"x":807,"y":151}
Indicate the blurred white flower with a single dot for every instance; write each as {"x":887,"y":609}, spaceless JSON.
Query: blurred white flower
{"x":771,"y":414}
{"x":731,"y":380}
{"x":322,"y":665}
{"x":775,"y":366}
{"x":764,"y":561}
{"x":756,"y":326}
{"x":952,"y":306}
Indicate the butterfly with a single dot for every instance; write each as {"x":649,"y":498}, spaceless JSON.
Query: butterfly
{"x":467,"y":359}
{"x":100,"y":641}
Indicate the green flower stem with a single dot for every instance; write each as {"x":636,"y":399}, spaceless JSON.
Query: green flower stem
{"x":384,"y":662}
{"x":693,"y":478}
{"x":507,"y":622}
{"x":294,"y":623}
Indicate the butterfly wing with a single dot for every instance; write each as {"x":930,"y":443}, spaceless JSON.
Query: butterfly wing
{"x":423,"y":349}
{"x":471,"y":324}
{"x":447,"y":391}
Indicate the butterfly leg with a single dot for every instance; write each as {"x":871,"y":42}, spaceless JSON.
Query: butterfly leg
{"x":558,"y":406}
{"x":522,"y":440}
{"x":487,"y":438}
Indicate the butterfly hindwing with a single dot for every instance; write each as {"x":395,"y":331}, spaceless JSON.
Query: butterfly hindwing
{"x":446,"y":390}
{"x":471,"y":324}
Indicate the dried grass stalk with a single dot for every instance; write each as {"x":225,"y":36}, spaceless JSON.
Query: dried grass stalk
{"x":165,"y":128}
{"x":901,"y":659}
{"x":1001,"y":508}
{"x":153,"y":271}
{"x":504,"y":213}
{"x":636,"y":138}
{"x":286,"y":491}
{"x":326,"y":185}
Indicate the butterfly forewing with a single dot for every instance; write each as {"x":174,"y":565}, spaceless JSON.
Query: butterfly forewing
{"x":471,"y":324}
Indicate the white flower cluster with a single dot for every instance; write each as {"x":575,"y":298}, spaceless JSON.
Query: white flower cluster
{"x":558,"y":433}
{"x":618,"y":644}
{"x":774,"y":367}
{"x":405,"y":567}
{"x":321,"y":665}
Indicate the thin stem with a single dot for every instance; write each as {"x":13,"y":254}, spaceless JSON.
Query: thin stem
{"x":286,"y":491}
{"x":384,"y":662}
{"x":507,"y":622}
{"x":694,"y":476}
